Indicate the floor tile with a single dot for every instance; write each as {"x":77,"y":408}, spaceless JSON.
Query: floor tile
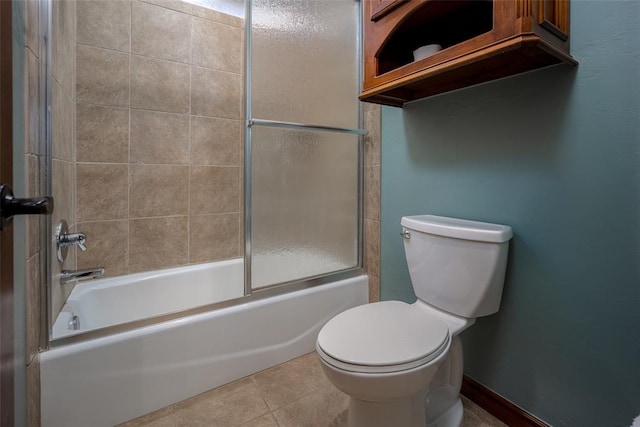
{"x":293,"y":394}
{"x":230,"y":405}
{"x":171,"y":416}
{"x":263,"y":421}
{"x":290,"y":381}
{"x":326,"y":407}
{"x":475,"y":416}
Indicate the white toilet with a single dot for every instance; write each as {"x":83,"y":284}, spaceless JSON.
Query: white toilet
{"x":401,"y":364}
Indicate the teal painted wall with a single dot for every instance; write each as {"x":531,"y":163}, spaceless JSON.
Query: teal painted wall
{"x":555,"y":154}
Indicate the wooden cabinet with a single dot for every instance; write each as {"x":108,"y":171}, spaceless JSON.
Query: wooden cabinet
{"x":379,"y":8}
{"x":481,"y":40}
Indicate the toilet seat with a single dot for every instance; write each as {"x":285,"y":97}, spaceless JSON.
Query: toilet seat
{"x":382,"y":337}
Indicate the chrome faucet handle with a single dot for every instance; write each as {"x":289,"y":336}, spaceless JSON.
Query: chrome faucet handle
{"x":73,"y":239}
{"x":82,"y":239}
{"x":81,"y":244}
{"x":64,"y":240}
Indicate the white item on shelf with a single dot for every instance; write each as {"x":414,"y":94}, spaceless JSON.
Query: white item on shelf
{"x":425,"y":51}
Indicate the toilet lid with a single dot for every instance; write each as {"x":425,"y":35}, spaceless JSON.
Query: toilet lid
{"x":383,"y":335}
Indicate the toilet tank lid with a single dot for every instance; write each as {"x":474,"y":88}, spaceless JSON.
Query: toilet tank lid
{"x":458,"y":228}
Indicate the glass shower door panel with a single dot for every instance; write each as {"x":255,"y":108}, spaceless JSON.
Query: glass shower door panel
{"x":304,"y":61}
{"x":304,"y":190}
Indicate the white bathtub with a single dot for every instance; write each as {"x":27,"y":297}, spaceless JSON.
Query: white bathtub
{"x":107,"y":302}
{"x":112,"y":379}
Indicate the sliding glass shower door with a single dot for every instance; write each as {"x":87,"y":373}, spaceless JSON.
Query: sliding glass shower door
{"x":303,"y":140}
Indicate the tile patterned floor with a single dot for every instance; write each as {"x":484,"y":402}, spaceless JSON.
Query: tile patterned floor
{"x":294,"y":394}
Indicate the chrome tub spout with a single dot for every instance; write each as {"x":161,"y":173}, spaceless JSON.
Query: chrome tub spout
{"x":68,"y":276}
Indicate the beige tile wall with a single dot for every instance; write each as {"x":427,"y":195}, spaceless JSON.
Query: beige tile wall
{"x":371,"y":227}
{"x":158,"y":126}
{"x":154,"y":106}
{"x":63,"y":112}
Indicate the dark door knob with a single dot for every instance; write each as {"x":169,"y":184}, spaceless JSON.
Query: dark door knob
{"x":10,"y":206}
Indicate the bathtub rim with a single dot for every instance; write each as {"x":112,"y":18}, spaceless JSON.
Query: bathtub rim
{"x":256,"y":295}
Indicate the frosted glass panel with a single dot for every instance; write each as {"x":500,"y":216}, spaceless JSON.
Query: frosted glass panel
{"x":304,"y":204}
{"x":305,"y":61}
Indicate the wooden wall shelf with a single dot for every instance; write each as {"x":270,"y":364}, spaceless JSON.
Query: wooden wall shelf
{"x":482,"y":40}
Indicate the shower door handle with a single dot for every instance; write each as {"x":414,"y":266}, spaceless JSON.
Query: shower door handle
{"x":10,"y":206}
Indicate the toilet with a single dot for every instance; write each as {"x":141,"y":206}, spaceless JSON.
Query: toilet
{"x":401,"y":364}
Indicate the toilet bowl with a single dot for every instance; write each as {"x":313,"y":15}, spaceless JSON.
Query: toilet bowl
{"x":387,"y":372}
{"x":401,"y":364}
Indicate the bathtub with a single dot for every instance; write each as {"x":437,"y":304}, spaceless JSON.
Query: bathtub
{"x":107,"y":302}
{"x":112,"y":379}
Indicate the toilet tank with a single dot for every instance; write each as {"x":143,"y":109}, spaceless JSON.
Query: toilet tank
{"x":456,"y":265}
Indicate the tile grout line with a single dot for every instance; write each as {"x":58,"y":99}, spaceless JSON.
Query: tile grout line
{"x":128,"y":252}
{"x":189,"y":158}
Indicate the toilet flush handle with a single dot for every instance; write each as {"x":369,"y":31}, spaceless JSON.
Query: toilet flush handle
{"x":405,"y":234}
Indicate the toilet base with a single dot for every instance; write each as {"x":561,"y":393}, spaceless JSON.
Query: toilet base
{"x":398,"y":413}
{"x":451,"y":418}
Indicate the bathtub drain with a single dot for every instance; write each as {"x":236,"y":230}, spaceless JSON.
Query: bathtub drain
{"x":74,"y":323}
